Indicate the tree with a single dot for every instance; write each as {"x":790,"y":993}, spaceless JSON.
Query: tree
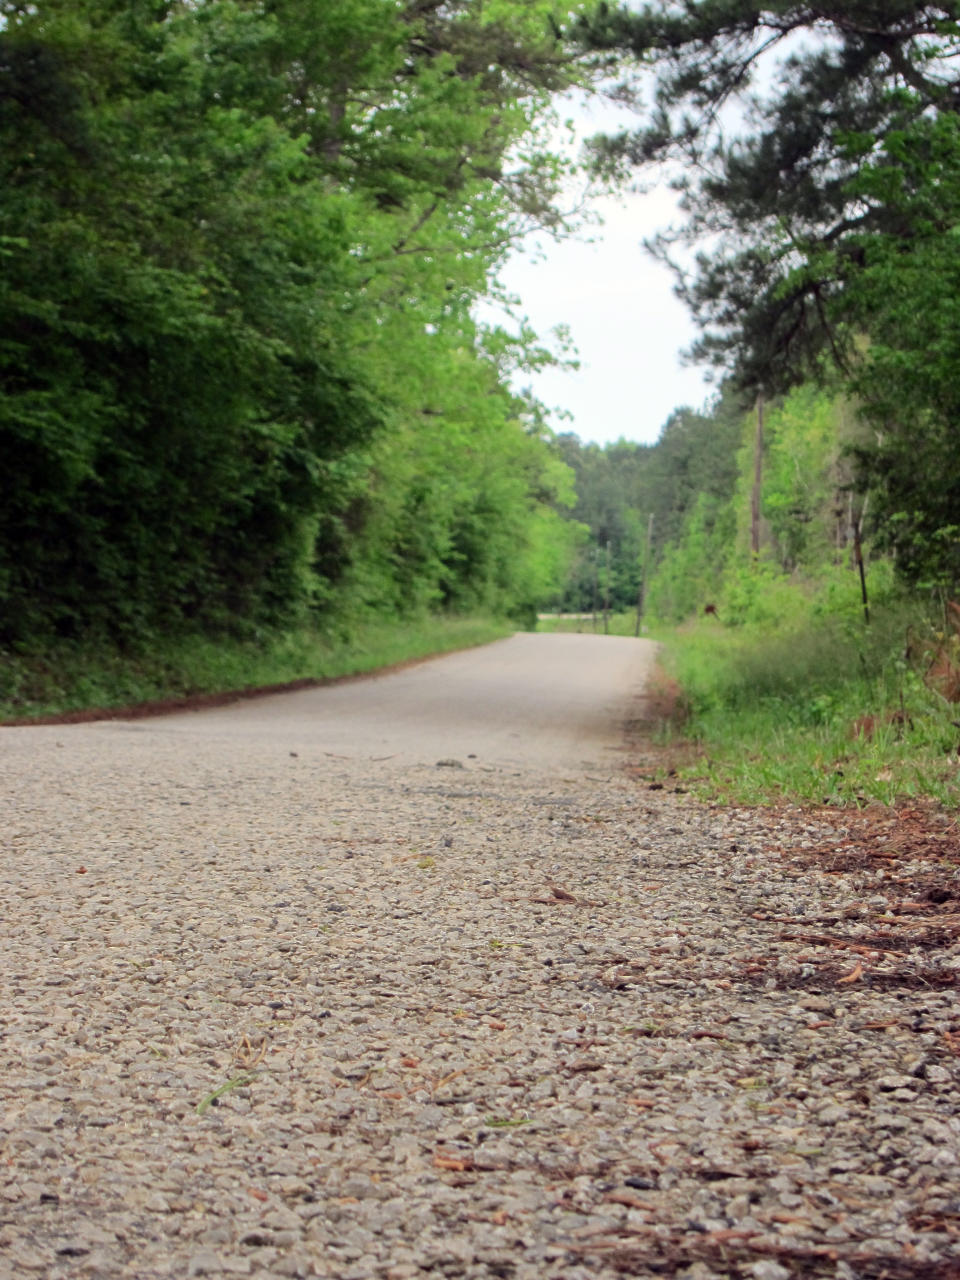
{"x":230,"y":234}
{"x":172,"y":368}
{"x":693,"y":466}
{"x":904,"y":295}
{"x":771,"y":188}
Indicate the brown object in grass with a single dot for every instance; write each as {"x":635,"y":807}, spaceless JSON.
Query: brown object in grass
{"x":943,"y":671}
{"x":867,"y":726}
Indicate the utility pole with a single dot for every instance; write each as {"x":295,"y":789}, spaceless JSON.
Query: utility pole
{"x":757,"y":481}
{"x":595,"y":589}
{"x":642,"y":593}
{"x":858,"y":557}
{"x":606,"y":592}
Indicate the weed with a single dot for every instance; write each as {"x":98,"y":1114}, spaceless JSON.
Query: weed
{"x":212,"y":1098}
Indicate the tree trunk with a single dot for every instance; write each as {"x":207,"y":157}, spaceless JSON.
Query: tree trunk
{"x":642,"y":593}
{"x":757,"y":482}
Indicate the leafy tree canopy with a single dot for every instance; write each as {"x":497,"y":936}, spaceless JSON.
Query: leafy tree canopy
{"x":240,"y":244}
{"x":769,"y":148}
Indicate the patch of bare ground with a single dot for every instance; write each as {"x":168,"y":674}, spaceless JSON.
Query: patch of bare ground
{"x":659,"y":713}
{"x":735,"y":1255}
{"x":906,"y":862}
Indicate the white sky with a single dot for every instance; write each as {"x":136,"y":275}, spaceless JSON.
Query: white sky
{"x":626,"y":323}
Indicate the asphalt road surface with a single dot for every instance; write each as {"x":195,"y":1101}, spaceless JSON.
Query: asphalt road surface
{"x":539,"y":700}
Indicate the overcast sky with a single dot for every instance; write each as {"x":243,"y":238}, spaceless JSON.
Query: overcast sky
{"x":625,"y":321}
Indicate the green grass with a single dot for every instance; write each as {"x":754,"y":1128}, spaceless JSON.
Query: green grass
{"x":212,"y":1098}
{"x":619,"y":624}
{"x":781,"y":715}
{"x":76,"y":677}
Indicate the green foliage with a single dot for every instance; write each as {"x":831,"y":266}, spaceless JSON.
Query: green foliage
{"x":905,"y":297}
{"x":72,"y":676}
{"x":685,"y":579}
{"x":830,"y":208}
{"x":240,"y":249}
{"x":807,"y":511}
{"x":820,"y":710}
{"x":804,"y":477}
{"x":688,"y":474}
{"x":771,"y":187}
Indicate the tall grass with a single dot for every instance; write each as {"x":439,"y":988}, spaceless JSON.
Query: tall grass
{"x":824,"y":710}
{"x":77,"y":677}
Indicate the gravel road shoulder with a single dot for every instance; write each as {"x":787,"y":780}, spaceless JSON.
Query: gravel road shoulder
{"x":282,"y":1013}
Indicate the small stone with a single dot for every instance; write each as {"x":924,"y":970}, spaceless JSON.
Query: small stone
{"x":890,"y":1082}
{"x":933,"y":1073}
{"x":205,"y":1262}
{"x":767,"y":1269}
{"x":236,"y":1264}
{"x":282,"y":1219}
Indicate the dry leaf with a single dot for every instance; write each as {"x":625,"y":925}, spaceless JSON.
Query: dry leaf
{"x":632,"y":1202}
{"x":561,"y":894}
{"x":856,"y":973}
{"x":458,"y":1164}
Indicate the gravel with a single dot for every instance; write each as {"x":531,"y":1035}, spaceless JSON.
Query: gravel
{"x":274,"y":1013}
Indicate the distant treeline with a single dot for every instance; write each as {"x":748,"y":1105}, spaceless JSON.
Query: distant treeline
{"x":708,"y":528}
{"x":629,"y":494}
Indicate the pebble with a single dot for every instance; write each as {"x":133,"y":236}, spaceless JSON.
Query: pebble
{"x":333,"y":1018}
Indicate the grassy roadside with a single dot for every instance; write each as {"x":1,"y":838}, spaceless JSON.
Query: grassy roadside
{"x":75,"y":678}
{"x":619,"y":624}
{"x":822,"y":712}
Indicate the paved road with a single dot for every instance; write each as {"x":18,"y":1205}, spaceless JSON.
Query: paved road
{"x":283,"y":999}
{"x":540,"y":700}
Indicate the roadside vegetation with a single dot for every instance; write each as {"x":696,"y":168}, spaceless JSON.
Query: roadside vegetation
{"x":790,"y":686}
{"x":72,"y":679}
{"x":256,"y":432}
{"x":815,"y":713}
{"x":796,"y":544}
{"x":243,"y":394}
